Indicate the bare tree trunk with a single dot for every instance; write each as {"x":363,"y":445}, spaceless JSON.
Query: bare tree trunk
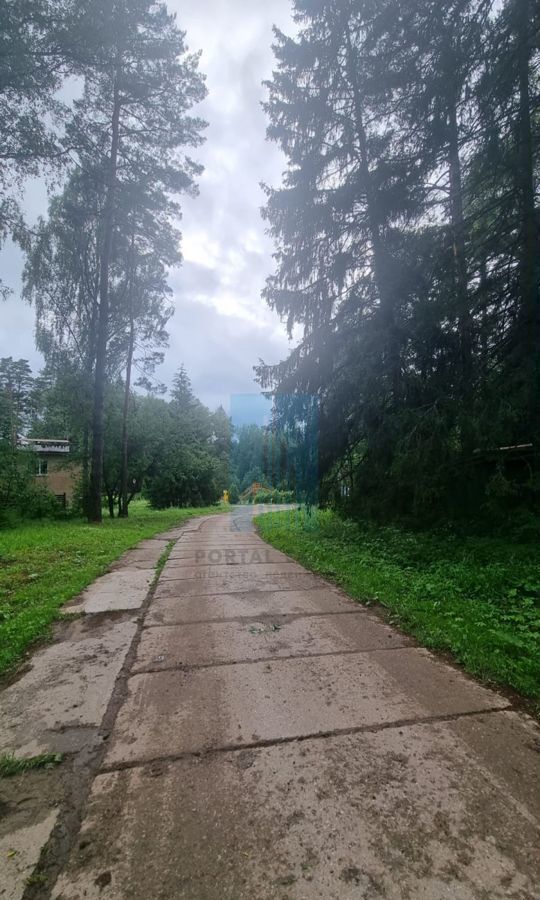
{"x":124,"y":498}
{"x":96,"y":477}
{"x":89,"y":370}
{"x":85,"y":468}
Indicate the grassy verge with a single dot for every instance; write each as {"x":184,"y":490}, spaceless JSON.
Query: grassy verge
{"x":476,"y":597}
{"x":44,"y":564}
{"x":10,"y":765}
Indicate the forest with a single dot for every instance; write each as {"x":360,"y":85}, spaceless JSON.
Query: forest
{"x":97,"y":265}
{"x":406,"y":269}
{"x":181,"y":454}
{"x":407,"y":234}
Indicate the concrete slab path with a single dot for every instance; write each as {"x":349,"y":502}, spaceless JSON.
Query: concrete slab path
{"x":272,"y":739}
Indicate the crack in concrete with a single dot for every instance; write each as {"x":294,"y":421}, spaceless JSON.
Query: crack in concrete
{"x":286,"y":617}
{"x":90,"y":764}
{"x":188,"y":667}
{"x":85,"y":765}
{"x":205,"y":578}
{"x":296,"y":739}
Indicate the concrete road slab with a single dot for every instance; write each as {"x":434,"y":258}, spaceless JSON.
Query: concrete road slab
{"x":174,"y":712}
{"x":199,"y":570}
{"x":240,"y":555}
{"x":124,"y":588}
{"x":59,"y":703}
{"x":213,"y":607}
{"x":231,"y":540}
{"x":137,"y":559}
{"x":343,"y":766}
{"x":173,"y":534}
{"x":20,"y":850}
{"x":222,"y":642}
{"x":231,"y":584}
{"x":407,"y":812}
{"x":157,"y":544}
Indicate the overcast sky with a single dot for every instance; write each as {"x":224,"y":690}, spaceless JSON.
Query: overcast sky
{"x":221,"y":325}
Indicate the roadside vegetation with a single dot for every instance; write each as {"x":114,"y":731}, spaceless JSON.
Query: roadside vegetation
{"x":10,"y":765}
{"x":43,"y":564}
{"x":477,"y":597}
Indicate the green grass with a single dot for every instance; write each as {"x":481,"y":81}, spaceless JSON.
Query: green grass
{"x":10,"y":765}
{"x":44,"y":564}
{"x":160,"y":565}
{"x":476,"y":597}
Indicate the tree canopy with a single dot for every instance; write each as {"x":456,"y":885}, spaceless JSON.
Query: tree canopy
{"x":407,"y":235}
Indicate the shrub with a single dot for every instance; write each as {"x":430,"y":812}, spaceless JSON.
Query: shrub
{"x":20,"y":496}
{"x":273,"y":496}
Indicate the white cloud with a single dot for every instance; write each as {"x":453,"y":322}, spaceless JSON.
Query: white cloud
{"x":221,"y":326}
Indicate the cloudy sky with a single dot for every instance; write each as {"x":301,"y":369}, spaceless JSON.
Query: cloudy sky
{"x":221,"y":325}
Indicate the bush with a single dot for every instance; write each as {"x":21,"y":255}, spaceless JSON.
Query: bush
{"x":20,"y":496}
{"x":274,"y":496}
{"x":183,"y":477}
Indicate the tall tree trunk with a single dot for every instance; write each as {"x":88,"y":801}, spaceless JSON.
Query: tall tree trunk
{"x":85,"y":468}
{"x":124,"y":501}
{"x":530,"y":249}
{"x":96,"y":477}
{"x":89,"y":371}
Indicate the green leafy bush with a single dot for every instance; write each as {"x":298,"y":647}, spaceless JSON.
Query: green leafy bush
{"x":20,"y":496}
{"x":274,"y":496}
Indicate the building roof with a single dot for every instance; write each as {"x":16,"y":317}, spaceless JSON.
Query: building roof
{"x":44,"y":445}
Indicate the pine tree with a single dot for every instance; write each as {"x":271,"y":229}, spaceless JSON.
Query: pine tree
{"x":129,"y":132}
{"x":16,"y":396}
{"x":34,"y":60}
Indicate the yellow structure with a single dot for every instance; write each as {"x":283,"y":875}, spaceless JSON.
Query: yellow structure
{"x":254,"y":489}
{"x":225,"y":496}
{"x":53,"y":468}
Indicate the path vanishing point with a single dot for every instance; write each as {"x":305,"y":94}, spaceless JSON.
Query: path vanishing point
{"x":242,"y":729}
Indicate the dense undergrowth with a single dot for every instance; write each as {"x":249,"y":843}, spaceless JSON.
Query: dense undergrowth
{"x":477,"y":597}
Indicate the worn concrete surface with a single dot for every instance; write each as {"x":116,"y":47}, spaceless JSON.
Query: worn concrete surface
{"x":248,"y":569}
{"x":406,"y":812}
{"x":216,"y":607}
{"x":235,"y":583}
{"x":275,"y":740}
{"x":124,"y":588}
{"x":247,"y":703}
{"x":58,"y":704}
{"x":19,"y":853}
{"x":217,"y":556}
{"x":208,"y":643}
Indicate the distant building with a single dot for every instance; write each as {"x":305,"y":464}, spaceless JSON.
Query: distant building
{"x":53,"y":468}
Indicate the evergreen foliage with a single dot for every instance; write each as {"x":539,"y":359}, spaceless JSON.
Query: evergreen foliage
{"x":407,"y":234}
{"x":179,"y":450}
{"x":97,"y":268}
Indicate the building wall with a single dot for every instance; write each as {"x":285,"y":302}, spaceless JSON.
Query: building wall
{"x":61,"y":478}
